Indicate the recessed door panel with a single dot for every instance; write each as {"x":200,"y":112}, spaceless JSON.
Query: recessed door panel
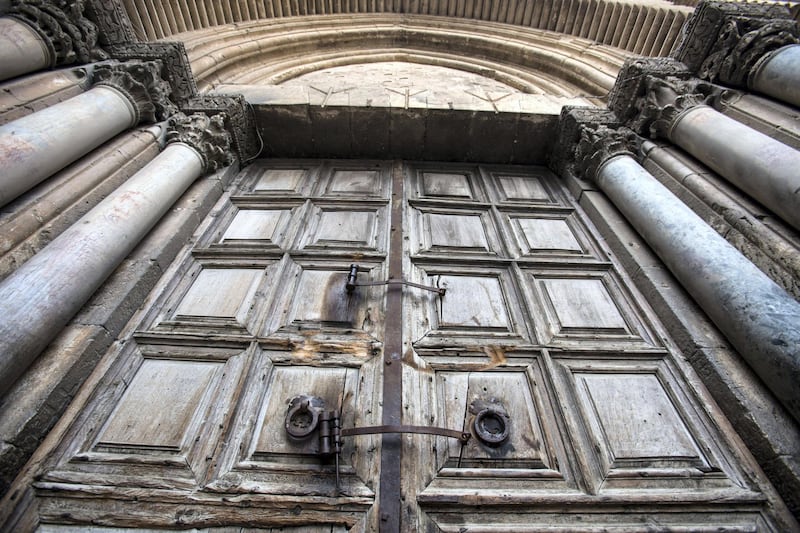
{"x":639,"y":427}
{"x":254,"y":225}
{"x":446,"y":185}
{"x":522,"y":188}
{"x":279,"y":180}
{"x":223,"y":293}
{"x":181,"y":385}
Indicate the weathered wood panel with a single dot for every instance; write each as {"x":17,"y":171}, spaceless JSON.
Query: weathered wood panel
{"x":220,"y":293}
{"x":178,"y":385}
{"x":252,"y":224}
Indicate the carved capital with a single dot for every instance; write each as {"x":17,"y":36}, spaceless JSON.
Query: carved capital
{"x":563,"y":158}
{"x":176,"y":69}
{"x":723,"y":41}
{"x":665,"y":100}
{"x":207,"y":135}
{"x":631,"y":84}
{"x":239,"y":120}
{"x":141,"y":82}
{"x":738,"y":51}
{"x":599,"y":144}
{"x":63,"y":26}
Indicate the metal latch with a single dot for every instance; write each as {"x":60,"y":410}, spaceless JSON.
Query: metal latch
{"x":307,"y":413}
{"x":352,"y":283}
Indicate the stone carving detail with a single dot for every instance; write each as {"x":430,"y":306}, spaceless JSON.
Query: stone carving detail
{"x":738,"y":51}
{"x":176,"y":68}
{"x":573,"y":120}
{"x":207,"y":135}
{"x":708,"y":21}
{"x":68,"y":34}
{"x":666,"y":99}
{"x":239,"y":119}
{"x":112,"y":21}
{"x":630,"y":86}
{"x":141,"y":81}
{"x":599,"y":144}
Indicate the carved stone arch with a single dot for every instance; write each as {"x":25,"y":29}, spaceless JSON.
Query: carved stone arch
{"x":564,"y":65}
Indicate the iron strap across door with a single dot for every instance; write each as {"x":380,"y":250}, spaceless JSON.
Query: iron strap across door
{"x":462,"y":436}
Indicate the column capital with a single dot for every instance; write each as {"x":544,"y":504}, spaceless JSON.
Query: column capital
{"x":142,"y":83}
{"x":725,"y":41}
{"x":665,"y":100}
{"x":599,"y":144}
{"x":67,"y":33}
{"x":239,"y":120}
{"x":565,"y":159}
{"x":206,"y":134}
{"x":630,"y":86}
{"x":651,"y":93}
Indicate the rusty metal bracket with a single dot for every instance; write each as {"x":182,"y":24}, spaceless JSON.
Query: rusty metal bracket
{"x":462,"y":436}
{"x":352,"y":283}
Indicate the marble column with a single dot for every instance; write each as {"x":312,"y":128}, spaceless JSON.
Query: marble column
{"x":778,"y":75}
{"x":762,"y":167}
{"x":35,"y":146}
{"x":22,"y":50}
{"x":37,"y":35}
{"x":41,"y":296}
{"x":758,"y":317}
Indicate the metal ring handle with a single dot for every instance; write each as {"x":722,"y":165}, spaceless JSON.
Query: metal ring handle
{"x":301,"y":419}
{"x":491,"y":426}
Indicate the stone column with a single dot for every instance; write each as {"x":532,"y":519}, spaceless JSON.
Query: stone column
{"x":759,"y":318}
{"x":35,"y":146}
{"x":37,"y":34}
{"x":22,"y":50}
{"x":40,"y":297}
{"x":744,"y":45}
{"x":778,"y":75}
{"x":764,"y":168}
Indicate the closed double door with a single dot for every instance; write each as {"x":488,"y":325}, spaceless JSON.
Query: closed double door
{"x":383,"y":346}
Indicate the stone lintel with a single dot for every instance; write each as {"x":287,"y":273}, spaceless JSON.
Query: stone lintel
{"x":306,"y":131}
{"x":206,"y":135}
{"x":239,"y":120}
{"x":142,"y":83}
{"x":723,"y":41}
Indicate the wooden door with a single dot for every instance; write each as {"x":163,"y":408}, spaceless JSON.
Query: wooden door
{"x":581,"y":414}
{"x":187,"y":427}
